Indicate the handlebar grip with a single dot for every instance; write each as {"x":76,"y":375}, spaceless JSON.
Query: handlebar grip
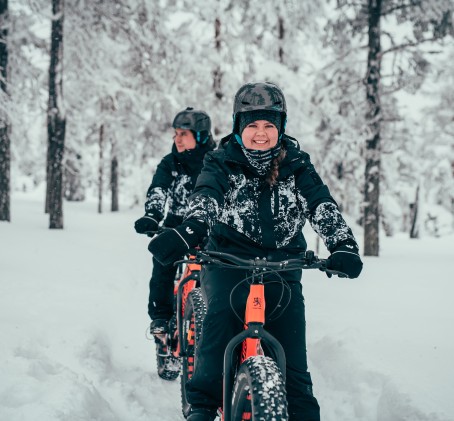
{"x":329,"y":272}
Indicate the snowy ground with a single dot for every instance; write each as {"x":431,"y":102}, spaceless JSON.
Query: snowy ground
{"x":73,"y":321}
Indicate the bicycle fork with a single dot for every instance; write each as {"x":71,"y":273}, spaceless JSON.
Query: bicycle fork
{"x":251,"y":339}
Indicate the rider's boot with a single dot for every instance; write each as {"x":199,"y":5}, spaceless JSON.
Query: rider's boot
{"x":159,"y":327}
{"x":202,"y":413}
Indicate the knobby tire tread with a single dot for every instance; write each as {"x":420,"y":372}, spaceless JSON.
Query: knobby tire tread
{"x":259,"y":389}
{"x":195,"y":310}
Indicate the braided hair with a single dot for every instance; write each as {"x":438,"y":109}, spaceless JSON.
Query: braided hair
{"x":273,"y":172}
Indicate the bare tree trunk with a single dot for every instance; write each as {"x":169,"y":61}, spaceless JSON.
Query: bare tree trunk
{"x":5,"y":142}
{"x":114,"y":184}
{"x":114,"y":177}
{"x":281,"y":39}
{"x":217,"y":73}
{"x":48,"y":182}
{"x":414,"y":216}
{"x":56,"y":122}
{"x":100,"y":167}
{"x":373,"y":147}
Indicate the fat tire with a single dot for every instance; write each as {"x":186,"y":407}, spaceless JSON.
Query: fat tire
{"x":259,"y":391}
{"x":194,"y":313}
{"x":169,"y":366}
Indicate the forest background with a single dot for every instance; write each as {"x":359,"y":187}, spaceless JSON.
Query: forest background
{"x":89,"y":90}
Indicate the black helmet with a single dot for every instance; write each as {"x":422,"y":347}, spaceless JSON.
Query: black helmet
{"x":259,"y":96}
{"x":197,"y":121}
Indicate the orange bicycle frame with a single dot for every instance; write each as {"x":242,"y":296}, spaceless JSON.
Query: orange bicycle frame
{"x":255,"y":313}
{"x":250,"y":339}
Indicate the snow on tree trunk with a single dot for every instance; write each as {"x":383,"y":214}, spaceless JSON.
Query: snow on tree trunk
{"x":373,"y":149}
{"x":56,"y":122}
{"x":5,"y":143}
{"x":73,"y":186}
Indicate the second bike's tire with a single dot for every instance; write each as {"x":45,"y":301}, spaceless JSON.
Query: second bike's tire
{"x":259,"y":391}
{"x":194,"y":312}
{"x":169,"y":367}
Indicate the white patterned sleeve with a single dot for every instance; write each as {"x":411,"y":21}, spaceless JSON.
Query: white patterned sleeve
{"x":203,"y":208}
{"x":328,"y":223}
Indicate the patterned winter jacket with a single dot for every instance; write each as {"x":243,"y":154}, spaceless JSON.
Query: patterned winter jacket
{"x":246,"y":216}
{"x":173,"y":183}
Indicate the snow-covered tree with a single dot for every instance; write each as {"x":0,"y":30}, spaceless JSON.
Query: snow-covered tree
{"x":131,"y":65}
{"x":365,"y":20}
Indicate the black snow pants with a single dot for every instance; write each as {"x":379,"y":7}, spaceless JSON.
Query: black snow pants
{"x":160,"y":301}
{"x":221,"y":324}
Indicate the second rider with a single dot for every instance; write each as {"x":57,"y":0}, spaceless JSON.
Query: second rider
{"x":167,"y":203}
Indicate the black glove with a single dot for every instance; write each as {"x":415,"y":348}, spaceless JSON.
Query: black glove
{"x":345,"y":258}
{"x":173,"y":243}
{"x":146,"y":224}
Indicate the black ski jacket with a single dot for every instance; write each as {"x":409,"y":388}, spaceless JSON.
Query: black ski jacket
{"x":173,"y":183}
{"x":245,"y":216}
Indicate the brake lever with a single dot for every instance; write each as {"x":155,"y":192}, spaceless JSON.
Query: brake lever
{"x":330,"y":273}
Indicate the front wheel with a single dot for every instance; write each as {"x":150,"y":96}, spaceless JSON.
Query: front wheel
{"x":194,"y":312}
{"x":259,"y":391}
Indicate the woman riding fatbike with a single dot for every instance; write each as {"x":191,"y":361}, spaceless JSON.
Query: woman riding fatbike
{"x":168,"y":196}
{"x":253,"y":197}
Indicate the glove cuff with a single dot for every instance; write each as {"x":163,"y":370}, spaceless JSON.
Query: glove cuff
{"x":346,"y":247}
{"x":151,"y":217}
{"x":192,"y":232}
{"x":156,"y":216}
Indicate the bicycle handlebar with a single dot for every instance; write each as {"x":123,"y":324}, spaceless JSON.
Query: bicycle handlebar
{"x":308,"y":261}
{"x":153,"y":233}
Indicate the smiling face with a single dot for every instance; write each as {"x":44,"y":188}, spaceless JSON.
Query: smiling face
{"x":260,"y":135}
{"x":184,"y":140}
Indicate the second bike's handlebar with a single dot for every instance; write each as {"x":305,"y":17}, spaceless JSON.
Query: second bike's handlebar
{"x":308,"y":260}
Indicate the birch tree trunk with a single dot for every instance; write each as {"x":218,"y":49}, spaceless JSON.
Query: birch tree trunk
{"x":56,"y":122}
{"x":5,"y":143}
{"x":373,"y":147}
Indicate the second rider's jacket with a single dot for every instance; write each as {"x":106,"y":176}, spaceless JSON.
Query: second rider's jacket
{"x":243,"y":213}
{"x":173,"y":183}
